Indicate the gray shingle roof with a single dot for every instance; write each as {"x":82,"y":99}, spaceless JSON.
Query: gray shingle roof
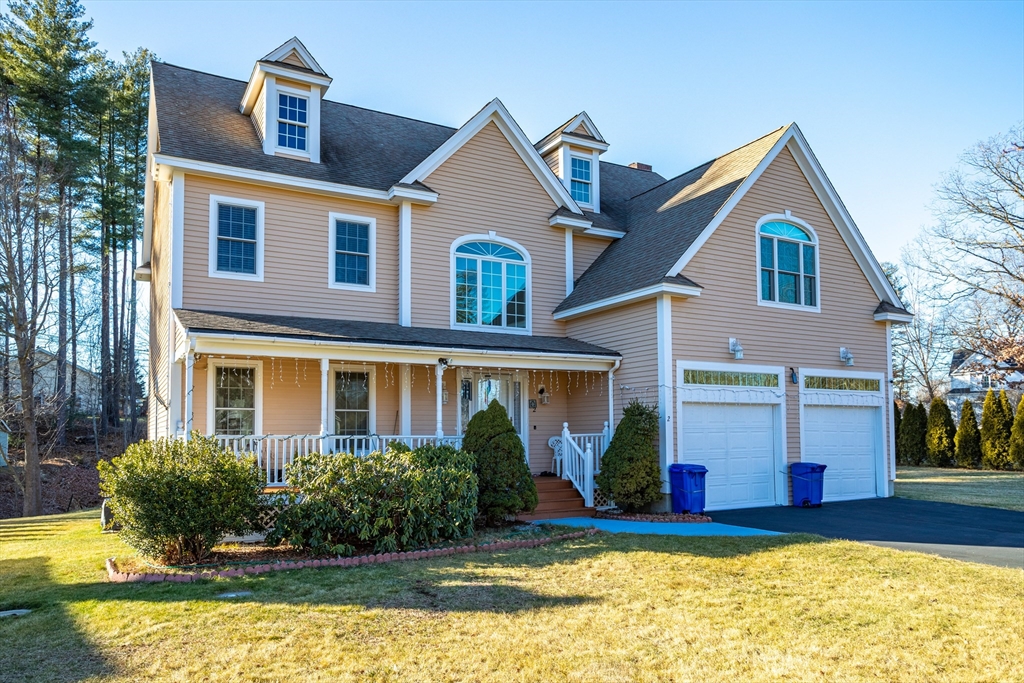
{"x":662,"y":222}
{"x":198,"y":119}
{"x":383,"y":334}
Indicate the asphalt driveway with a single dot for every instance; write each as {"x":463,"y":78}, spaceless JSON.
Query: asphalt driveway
{"x":962,"y":532}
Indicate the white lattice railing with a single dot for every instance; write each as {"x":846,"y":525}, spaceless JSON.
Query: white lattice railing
{"x":578,"y":465}
{"x":274,"y":451}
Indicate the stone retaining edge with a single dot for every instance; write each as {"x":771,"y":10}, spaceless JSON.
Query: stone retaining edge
{"x":115,"y":576}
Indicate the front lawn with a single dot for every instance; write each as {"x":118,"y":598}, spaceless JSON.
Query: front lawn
{"x":604,"y":608}
{"x":965,"y":487}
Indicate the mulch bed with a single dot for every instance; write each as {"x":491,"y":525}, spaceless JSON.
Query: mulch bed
{"x":658,"y":517}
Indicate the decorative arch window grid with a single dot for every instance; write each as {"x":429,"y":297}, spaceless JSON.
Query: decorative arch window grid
{"x":490,"y":285}
{"x":788,"y":265}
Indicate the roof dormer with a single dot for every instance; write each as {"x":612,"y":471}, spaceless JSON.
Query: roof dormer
{"x":283,"y":100}
{"x":573,"y":152}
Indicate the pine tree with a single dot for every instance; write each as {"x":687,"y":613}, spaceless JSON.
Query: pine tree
{"x":630,"y":469}
{"x":505,"y":484}
{"x":995,"y":438}
{"x":1017,"y":437}
{"x":912,"y":434}
{"x":941,"y":434}
{"x":897,"y":419}
{"x":968,"y":438}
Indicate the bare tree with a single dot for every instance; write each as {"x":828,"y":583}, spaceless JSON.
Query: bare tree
{"x":920,"y":349}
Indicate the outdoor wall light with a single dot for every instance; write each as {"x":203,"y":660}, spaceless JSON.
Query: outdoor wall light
{"x":793,"y":376}
{"x":735,"y":348}
{"x":846,"y":355}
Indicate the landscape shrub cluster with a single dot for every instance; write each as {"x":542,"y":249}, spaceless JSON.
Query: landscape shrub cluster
{"x":506,"y":485}
{"x":931,"y":437}
{"x":630,"y":470}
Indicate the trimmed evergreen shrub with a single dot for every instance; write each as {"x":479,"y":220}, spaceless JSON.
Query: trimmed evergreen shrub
{"x":630,"y":470}
{"x":995,"y":437}
{"x":897,"y":419}
{"x":913,"y":430}
{"x":941,"y":434}
{"x":395,"y":500}
{"x":176,"y":499}
{"x":1017,"y":437}
{"x":506,"y":485}
{"x":968,"y":438}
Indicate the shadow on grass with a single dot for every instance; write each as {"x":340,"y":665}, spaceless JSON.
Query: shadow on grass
{"x":45,"y":644}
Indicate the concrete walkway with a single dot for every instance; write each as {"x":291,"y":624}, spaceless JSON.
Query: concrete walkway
{"x":660,"y":528}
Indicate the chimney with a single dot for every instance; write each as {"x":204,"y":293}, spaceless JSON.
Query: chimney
{"x":641,"y":167}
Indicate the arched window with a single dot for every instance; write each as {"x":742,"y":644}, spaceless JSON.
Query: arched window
{"x":490,"y":285}
{"x":789,"y":264}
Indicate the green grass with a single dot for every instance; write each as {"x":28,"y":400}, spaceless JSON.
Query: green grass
{"x":965,"y":487}
{"x":604,"y":608}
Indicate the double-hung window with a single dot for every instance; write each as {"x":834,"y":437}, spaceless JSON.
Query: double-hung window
{"x":236,"y":238}
{"x":235,"y":396}
{"x":490,"y":286}
{"x":580,"y":180}
{"x":292,"y":121}
{"x":352,"y":403}
{"x":353,"y":243}
{"x":788,"y":260}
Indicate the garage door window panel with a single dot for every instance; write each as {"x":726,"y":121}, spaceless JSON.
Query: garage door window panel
{"x":841,"y":383}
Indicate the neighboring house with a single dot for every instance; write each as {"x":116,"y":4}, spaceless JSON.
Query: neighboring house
{"x":87,"y":383}
{"x":330,"y":277}
{"x":971,"y":375}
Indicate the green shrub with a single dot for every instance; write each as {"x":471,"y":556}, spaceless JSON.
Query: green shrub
{"x":897,"y":418}
{"x":176,"y":499}
{"x":941,"y":434}
{"x":1017,"y":437}
{"x":506,"y":486}
{"x":913,"y":430}
{"x":630,"y":469}
{"x":968,"y":438}
{"x":995,"y":433}
{"x":395,"y":500}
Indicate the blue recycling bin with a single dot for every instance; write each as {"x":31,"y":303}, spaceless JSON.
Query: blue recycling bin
{"x":687,"y":487}
{"x":808,"y":481}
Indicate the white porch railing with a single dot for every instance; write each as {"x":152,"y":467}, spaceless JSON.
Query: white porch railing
{"x":581,"y":459}
{"x":275,"y":451}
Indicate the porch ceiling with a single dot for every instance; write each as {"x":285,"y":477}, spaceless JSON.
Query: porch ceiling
{"x":254,"y":333}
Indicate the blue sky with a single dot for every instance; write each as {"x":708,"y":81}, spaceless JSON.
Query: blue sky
{"x":888,"y":95}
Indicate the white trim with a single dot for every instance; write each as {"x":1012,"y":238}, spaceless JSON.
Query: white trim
{"x":293,"y":43}
{"x":325,"y":413}
{"x":277,"y":90}
{"x":261,"y":72}
{"x":490,"y":237}
{"x":664,"y":312}
{"x":190,"y":362}
{"x":863,"y":399}
{"x":788,"y":217}
{"x":605,"y":232}
{"x":595,"y":181}
{"x":774,"y":396}
{"x":569,"y":274}
{"x":215,"y":201}
{"x":405,"y":265}
{"x":569,"y":222}
{"x":566,"y":138}
{"x":890,"y":402}
{"x":794,"y":140}
{"x":644,"y":293}
{"x":496,"y":112}
{"x":590,"y":159}
{"x":332,"y":218}
{"x":177,"y":237}
{"x":405,"y":398}
{"x":371,"y":370}
{"x":211,"y":396}
{"x":273,"y":179}
{"x":889,"y":317}
{"x":408,"y":194}
{"x":268,"y":93}
{"x":174,"y":410}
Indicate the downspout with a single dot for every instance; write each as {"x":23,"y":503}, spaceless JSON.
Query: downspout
{"x":611,"y":398}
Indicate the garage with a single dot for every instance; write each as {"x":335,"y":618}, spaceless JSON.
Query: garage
{"x":841,"y":425}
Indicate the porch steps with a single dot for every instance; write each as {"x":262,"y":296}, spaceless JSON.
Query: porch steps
{"x":557,"y":499}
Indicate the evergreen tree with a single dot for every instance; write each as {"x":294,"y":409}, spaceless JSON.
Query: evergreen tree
{"x":1017,"y":437}
{"x":941,"y":434}
{"x":995,"y":438}
{"x":630,"y":470}
{"x":506,"y":486}
{"x":968,"y":438}
{"x":897,"y":419}
{"x":913,"y":430}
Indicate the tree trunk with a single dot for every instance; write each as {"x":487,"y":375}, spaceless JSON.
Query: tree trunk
{"x":60,"y":389}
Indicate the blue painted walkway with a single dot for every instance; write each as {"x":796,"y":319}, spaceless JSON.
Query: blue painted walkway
{"x":660,"y":528}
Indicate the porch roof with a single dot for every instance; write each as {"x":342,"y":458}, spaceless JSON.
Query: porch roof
{"x":360,"y":332}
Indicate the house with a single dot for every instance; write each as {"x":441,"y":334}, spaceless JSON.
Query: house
{"x":87,"y":383}
{"x":328,"y":277}
{"x":972,"y":374}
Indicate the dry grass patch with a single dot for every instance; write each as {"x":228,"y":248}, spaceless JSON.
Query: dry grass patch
{"x":965,"y":487}
{"x":606,"y":608}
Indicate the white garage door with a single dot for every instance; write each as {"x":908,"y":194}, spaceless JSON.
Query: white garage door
{"x":737,"y":445}
{"x":842,"y":437}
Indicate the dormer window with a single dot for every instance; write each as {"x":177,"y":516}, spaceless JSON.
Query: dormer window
{"x":581,"y":180}
{"x":292,"y":121}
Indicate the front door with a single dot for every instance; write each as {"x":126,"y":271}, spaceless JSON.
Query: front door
{"x":478,"y":391}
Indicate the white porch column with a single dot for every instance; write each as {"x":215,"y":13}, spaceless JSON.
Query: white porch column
{"x":611,"y":403}
{"x":405,"y":264}
{"x":174,"y":412}
{"x":190,"y":361}
{"x":325,"y":367}
{"x":665,"y":394}
{"x":439,"y":374}
{"x":405,"y":404}
{"x":569,"y":274}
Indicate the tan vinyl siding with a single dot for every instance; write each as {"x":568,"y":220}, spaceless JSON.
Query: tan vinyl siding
{"x":259,"y":114}
{"x":552,"y":160}
{"x":548,"y":419}
{"x":582,"y":130}
{"x":288,"y":83}
{"x":294,"y":59}
{"x":486,"y":186}
{"x":295,"y":263}
{"x":159,"y":387}
{"x":728,"y":305}
{"x":585,"y":250}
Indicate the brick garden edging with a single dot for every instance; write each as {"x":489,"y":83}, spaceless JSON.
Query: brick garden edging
{"x":114,"y":576}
